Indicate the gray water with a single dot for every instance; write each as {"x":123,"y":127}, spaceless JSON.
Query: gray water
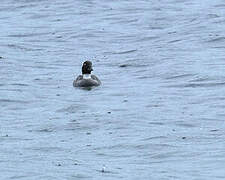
{"x":159,"y":113}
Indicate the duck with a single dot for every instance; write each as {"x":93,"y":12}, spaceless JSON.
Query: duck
{"x":86,"y":79}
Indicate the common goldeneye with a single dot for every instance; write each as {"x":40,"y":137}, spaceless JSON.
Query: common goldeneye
{"x":86,"y":79}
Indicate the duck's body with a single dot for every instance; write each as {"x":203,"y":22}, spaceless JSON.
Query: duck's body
{"x":86,"y":79}
{"x":83,"y":81}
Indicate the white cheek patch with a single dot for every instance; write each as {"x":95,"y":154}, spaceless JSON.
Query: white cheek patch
{"x":87,"y":76}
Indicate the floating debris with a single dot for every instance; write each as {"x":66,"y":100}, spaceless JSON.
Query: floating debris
{"x":214,"y":130}
{"x":37,"y":79}
{"x":103,"y":169}
{"x":124,"y":65}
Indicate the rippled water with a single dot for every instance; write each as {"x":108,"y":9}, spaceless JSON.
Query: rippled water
{"x":159,"y":113}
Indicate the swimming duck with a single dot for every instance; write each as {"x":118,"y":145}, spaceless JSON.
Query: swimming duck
{"x":86,"y":79}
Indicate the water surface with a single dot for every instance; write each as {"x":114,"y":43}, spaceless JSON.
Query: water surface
{"x":159,"y":113}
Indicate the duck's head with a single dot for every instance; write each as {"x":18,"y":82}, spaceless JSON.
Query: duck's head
{"x":87,"y":67}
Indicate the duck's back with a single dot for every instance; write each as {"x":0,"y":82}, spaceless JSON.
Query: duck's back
{"x":82,"y":82}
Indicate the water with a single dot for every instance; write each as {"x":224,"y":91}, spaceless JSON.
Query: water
{"x":159,"y":113}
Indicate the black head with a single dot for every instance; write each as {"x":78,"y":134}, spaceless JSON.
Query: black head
{"x":87,"y":67}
